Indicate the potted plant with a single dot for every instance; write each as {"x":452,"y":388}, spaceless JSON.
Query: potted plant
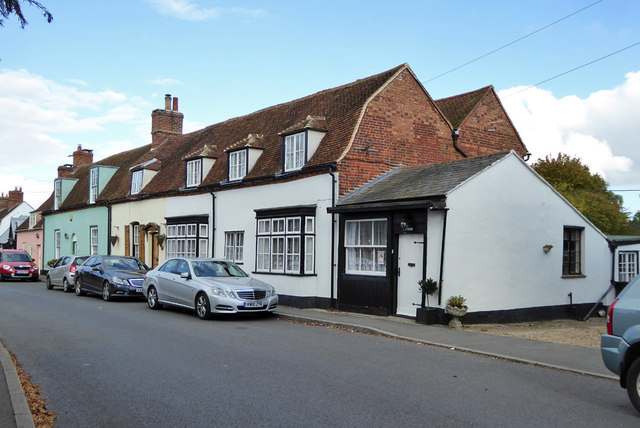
{"x":427,"y":315}
{"x":456,"y":307}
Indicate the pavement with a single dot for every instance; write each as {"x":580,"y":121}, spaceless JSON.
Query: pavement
{"x":14,"y":411}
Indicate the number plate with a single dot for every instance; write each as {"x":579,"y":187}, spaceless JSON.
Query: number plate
{"x":257,"y":304}
{"x":22,"y":272}
{"x":139,"y":290}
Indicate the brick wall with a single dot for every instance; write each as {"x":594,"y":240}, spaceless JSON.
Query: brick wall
{"x":163,"y":124}
{"x":401,"y":127}
{"x":488,"y":130}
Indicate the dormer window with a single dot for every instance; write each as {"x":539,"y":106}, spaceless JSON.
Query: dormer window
{"x":93,"y":185}
{"x":294,"y":151}
{"x":237,"y":165}
{"x":194,"y":172}
{"x":32,"y":220}
{"x":136,"y":182}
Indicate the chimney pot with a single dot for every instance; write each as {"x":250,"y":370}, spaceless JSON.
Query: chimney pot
{"x":175,"y":103}
{"x":167,"y":101}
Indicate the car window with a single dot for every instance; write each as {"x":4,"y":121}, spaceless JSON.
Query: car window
{"x":169,"y":266}
{"x":16,"y":257}
{"x":58,"y":263}
{"x":66,"y":260}
{"x":79,"y":260}
{"x":116,"y":263}
{"x":216,"y":268}
{"x":91,"y":262}
{"x":182,"y":267}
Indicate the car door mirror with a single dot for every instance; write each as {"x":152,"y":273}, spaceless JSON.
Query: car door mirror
{"x":185,"y":275}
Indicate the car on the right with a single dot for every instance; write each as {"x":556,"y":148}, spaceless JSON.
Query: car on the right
{"x":620,"y":347}
{"x":208,"y":286}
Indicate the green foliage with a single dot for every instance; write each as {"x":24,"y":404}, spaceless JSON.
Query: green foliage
{"x":428,"y":287}
{"x":457,"y":302}
{"x":9,"y":7}
{"x":586,"y":191}
{"x":52,"y":262}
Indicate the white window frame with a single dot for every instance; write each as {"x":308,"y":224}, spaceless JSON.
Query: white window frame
{"x":56,"y":243}
{"x":627,"y":265}
{"x":354,"y":246}
{"x":187,"y":240}
{"x":194,"y":172}
{"x":136,"y":240}
{"x":136,"y":182}
{"x":295,"y":151}
{"x":284,"y":246}
{"x":57,"y":194}
{"x":93,"y":240}
{"x":93,"y":185}
{"x":32,"y":220}
{"x":234,"y":246}
{"x":237,"y":165}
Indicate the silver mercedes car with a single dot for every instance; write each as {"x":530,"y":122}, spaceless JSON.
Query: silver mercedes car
{"x":210,"y":286}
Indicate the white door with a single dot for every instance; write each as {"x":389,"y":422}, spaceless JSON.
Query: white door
{"x":410,"y":261}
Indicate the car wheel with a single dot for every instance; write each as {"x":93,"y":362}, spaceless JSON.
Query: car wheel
{"x":152,"y":298}
{"x":78,"y":289}
{"x":203,"y":309}
{"x":65,"y":285}
{"x":49,"y":284}
{"x":35,"y":278}
{"x":633,"y":384}
{"x":106,"y":293}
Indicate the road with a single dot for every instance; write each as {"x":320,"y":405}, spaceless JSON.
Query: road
{"x":106,"y":364}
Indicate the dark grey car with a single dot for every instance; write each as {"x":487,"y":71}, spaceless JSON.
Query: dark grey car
{"x":111,"y":276}
{"x":63,"y":272}
{"x":620,"y":347}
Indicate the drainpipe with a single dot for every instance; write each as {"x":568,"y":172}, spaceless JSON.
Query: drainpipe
{"x":444,"y":232}
{"x":213,"y":223}
{"x":333,"y":232}
{"x":455,"y":134}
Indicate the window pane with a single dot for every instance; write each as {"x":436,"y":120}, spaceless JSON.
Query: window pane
{"x":366,"y":233}
{"x":308,"y":228}
{"x":352,"y":232}
{"x":308,"y":254}
{"x":203,"y":250}
{"x":293,"y":225}
{"x":380,"y":232}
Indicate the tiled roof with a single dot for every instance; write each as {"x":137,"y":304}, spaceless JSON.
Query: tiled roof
{"x":23,"y":226}
{"x":420,"y":182}
{"x":457,"y":108}
{"x":337,"y":110}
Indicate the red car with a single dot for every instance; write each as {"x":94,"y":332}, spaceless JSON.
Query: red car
{"x":17,"y":264}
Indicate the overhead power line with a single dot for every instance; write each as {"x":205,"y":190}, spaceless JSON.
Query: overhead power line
{"x":575,"y":68}
{"x":515,"y":41}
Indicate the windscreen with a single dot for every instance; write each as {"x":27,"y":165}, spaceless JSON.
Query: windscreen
{"x":114,"y":263}
{"x":216,"y":268}
{"x":16,"y":257}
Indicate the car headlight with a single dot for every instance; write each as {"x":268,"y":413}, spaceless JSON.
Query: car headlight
{"x":271,"y":291}
{"x":217,"y":291}
{"x":6,"y":267}
{"x":118,"y":281}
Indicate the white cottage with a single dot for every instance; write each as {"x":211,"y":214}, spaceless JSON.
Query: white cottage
{"x":488,"y":228}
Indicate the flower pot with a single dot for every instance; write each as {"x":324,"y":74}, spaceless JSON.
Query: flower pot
{"x":455,"y":313}
{"x":427,"y":316}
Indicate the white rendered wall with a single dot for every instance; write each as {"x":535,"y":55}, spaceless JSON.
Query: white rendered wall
{"x":235,"y":212}
{"x":22,"y":209}
{"x":496,"y":227}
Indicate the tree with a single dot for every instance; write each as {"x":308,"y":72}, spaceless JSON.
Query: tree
{"x":8,"y":7}
{"x":586,"y":191}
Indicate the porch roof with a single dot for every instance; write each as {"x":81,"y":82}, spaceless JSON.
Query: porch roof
{"x":422,"y":185}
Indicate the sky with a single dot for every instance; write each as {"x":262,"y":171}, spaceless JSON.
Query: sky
{"x":93,"y":75}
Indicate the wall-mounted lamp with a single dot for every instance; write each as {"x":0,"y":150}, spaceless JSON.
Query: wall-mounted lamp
{"x":114,"y":239}
{"x":547,"y":248}
{"x":70,"y":218}
{"x":66,"y":236}
{"x":37,"y":236}
{"x":405,"y":227}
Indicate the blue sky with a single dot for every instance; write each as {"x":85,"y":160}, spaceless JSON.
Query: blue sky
{"x":94,"y":74}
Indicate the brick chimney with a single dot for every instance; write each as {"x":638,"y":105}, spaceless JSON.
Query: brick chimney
{"x":15,"y":197}
{"x":165,"y":122}
{"x":4,"y":201}
{"x":81,"y":157}
{"x":65,"y":171}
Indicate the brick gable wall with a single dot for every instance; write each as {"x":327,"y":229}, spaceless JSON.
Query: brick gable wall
{"x":488,"y":130}
{"x":400,"y":127}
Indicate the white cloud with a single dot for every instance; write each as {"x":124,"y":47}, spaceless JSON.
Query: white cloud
{"x":43,"y":121}
{"x":190,"y":11}
{"x":600,"y":129}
